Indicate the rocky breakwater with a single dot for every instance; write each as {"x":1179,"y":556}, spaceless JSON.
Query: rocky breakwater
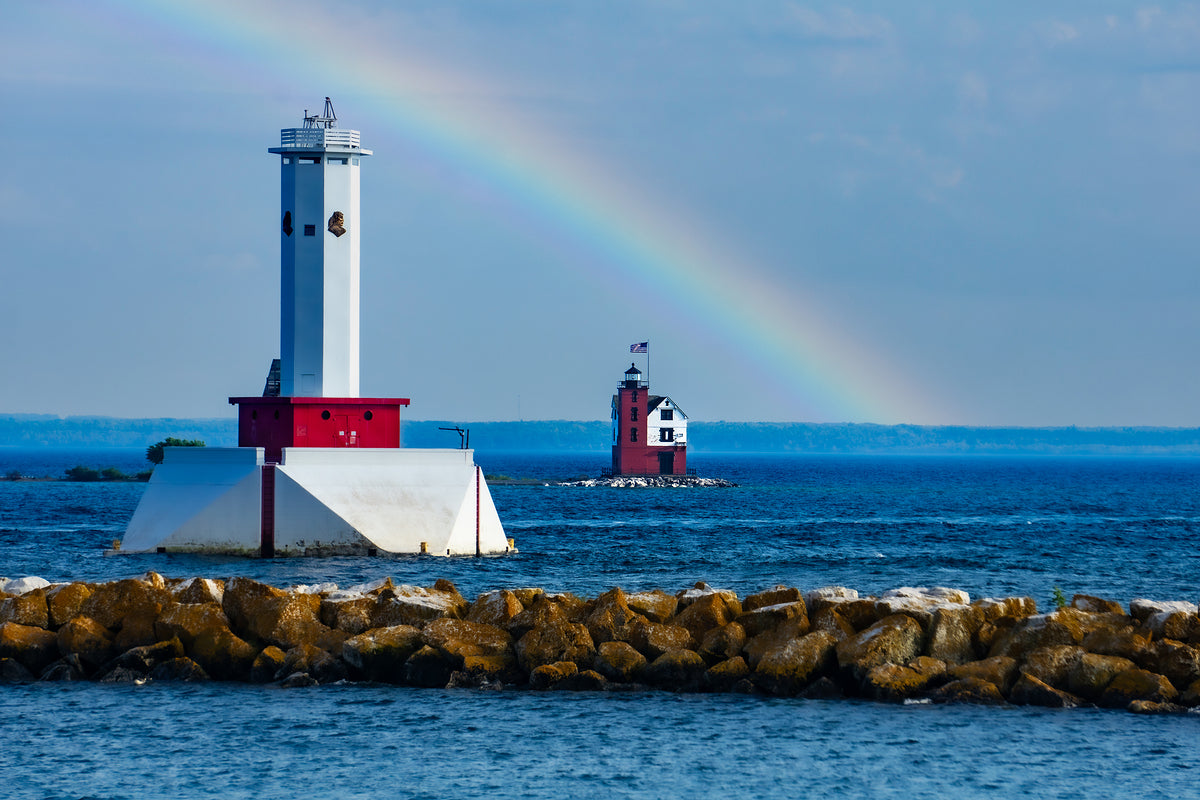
{"x":933,"y":645}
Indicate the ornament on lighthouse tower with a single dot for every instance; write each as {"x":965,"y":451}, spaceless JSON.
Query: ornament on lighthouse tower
{"x":318,"y":469}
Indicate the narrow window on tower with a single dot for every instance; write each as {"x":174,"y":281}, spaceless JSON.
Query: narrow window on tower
{"x":633,"y":435}
{"x":310,"y":230}
{"x":633,"y":414}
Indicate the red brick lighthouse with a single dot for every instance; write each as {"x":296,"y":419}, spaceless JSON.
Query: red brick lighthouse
{"x":649,"y":431}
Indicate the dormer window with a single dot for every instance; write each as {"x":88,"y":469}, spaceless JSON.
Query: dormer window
{"x":668,"y":414}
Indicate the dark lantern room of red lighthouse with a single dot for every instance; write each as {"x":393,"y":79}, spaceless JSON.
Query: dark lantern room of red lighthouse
{"x":649,"y":431}
{"x":318,"y":470}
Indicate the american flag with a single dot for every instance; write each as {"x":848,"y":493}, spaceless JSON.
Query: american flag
{"x":640,"y":347}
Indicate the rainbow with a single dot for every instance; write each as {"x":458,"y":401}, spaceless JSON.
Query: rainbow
{"x":610,"y":225}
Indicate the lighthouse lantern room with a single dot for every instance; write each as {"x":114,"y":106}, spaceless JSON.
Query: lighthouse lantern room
{"x":318,"y":469}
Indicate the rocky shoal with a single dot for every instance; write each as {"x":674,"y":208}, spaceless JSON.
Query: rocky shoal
{"x":922,"y":644}
{"x":652,"y":481}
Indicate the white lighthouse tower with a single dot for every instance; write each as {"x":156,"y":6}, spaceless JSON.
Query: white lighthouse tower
{"x":318,"y":469}
{"x":319,"y":246}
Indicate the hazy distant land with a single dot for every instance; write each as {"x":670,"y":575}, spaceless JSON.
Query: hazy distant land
{"x":39,"y":430}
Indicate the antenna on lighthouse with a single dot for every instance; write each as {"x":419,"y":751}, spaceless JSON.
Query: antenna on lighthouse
{"x":328,"y":118}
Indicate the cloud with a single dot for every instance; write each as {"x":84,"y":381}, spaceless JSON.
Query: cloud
{"x":972,"y":90}
{"x":838,"y":25}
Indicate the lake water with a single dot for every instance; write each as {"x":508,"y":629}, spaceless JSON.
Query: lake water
{"x":1115,"y":527}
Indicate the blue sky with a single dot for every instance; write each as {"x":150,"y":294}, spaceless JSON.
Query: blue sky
{"x":923,"y":212}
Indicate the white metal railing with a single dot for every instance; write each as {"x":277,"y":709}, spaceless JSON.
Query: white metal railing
{"x":318,"y":137}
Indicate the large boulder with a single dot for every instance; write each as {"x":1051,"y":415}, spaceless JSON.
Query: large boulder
{"x":656,"y":605}
{"x":725,"y":675}
{"x":199,"y":590}
{"x":611,"y":618}
{"x":495,"y":608}
{"x":380,"y":654}
{"x":677,"y":670}
{"x":619,"y":662}
{"x":473,"y":647}
{"x":141,"y":660}
{"x":969,"y":690}
{"x":1052,"y":664}
{"x":723,"y":643}
{"x":352,"y":613}
{"x":547,"y":676}
{"x":189,"y":620}
{"x":258,"y":612}
{"x":1060,"y":627}
{"x":652,"y":639}
{"x":1137,"y":684}
{"x":429,"y":667}
{"x":541,"y":610}
{"x":416,"y":605}
{"x":919,"y":602}
{"x":1142,"y":609}
{"x":26,"y":609}
{"x":765,"y":618}
{"x":556,"y":640}
{"x":88,"y":639}
{"x":771,"y":597}
{"x":830,"y":620}
{"x":318,"y":664}
{"x":65,"y":602}
{"x":999,"y":671}
{"x":222,"y":653}
{"x":1125,"y":642}
{"x":1096,"y":605}
{"x":896,"y":639}
{"x":110,"y":603}
{"x":899,"y":682}
{"x":787,"y":669}
{"x":781,"y":635}
{"x":1179,"y":662}
{"x":707,"y":611}
{"x":1093,"y":672}
{"x":267,"y":664}
{"x":952,"y":633}
{"x":35,"y":648}
{"x":179,"y":669}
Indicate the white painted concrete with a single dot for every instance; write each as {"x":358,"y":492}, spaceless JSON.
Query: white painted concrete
{"x":200,"y":499}
{"x":655,"y":423}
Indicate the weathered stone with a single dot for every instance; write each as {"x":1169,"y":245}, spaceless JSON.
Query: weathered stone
{"x":723,"y":643}
{"x":708,"y":611}
{"x":65,"y":602}
{"x":1189,"y":697}
{"x":620,"y":662}
{"x":298,"y":680}
{"x":540,"y":611}
{"x":919,"y":602}
{"x":969,"y":690}
{"x":993,"y":608}
{"x":137,"y":629}
{"x":823,"y":688}
{"x":771,"y":597}
{"x":223,"y":654}
{"x":1179,"y":662}
{"x":13,"y":671}
{"x":765,"y":618}
{"x":473,"y":679}
{"x":258,"y":612}
{"x":495,"y":608}
{"x":827,"y":597}
{"x":380,"y":654}
{"x":1142,"y":609}
{"x":1029,"y":691}
{"x":1092,"y":673}
{"x":830,"y":620}
{"x":952,"y":633}
{"x":724,"y":675}
{"x":492,"y":668}
{"x":787,"y":669}
{"x":652,"y":639}
{"x":896,"y":639}
{"x":677,"y":670}
{"x":557,"y":640}
{"x":575,"y":608}
{"x":68,"y":668}
{"x":1137,"y":684}
{"x":354,"y":614}
{"x":1151,"y":707}
{"x":1000,"y":671}
{"x":1178,"y":625}
{"x":545,"y":676}
{"x":895,"y":682}
{"x":1095,"y":605}
{"x":1052,"y":664}
{"x":144,"y":658}
{"x":121,"y":675}
{"x":611,"y":618}
{"x":110,"y":603}
{"x":656,"y":606}
{"x":26,"y":609}
{"x":266,"y":664}
{"x":585,"y":680}
{"x":199,"y":590}
{"x":36,"y":648}
{"x":428,"y":667}
{"x":313,"y":661}
{"x":88,"y":639}
{"x":701,"y":590}
{"x":788,"y":631}
{"x":1041,"y":630}
{"x":458,"y":639}
{"x":1126,"y":642}
{"x":189,"y":620}
{"x":179,"y":669}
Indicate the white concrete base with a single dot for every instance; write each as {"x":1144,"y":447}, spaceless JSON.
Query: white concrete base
{"x":327,"y":501}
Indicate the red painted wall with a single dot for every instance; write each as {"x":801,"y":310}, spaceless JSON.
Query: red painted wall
{"x":274,"y":423}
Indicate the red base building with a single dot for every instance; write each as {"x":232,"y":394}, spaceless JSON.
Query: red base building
{"x":649,"y":431}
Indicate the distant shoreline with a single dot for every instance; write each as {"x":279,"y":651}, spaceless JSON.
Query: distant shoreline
{"x":574,"y":436}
